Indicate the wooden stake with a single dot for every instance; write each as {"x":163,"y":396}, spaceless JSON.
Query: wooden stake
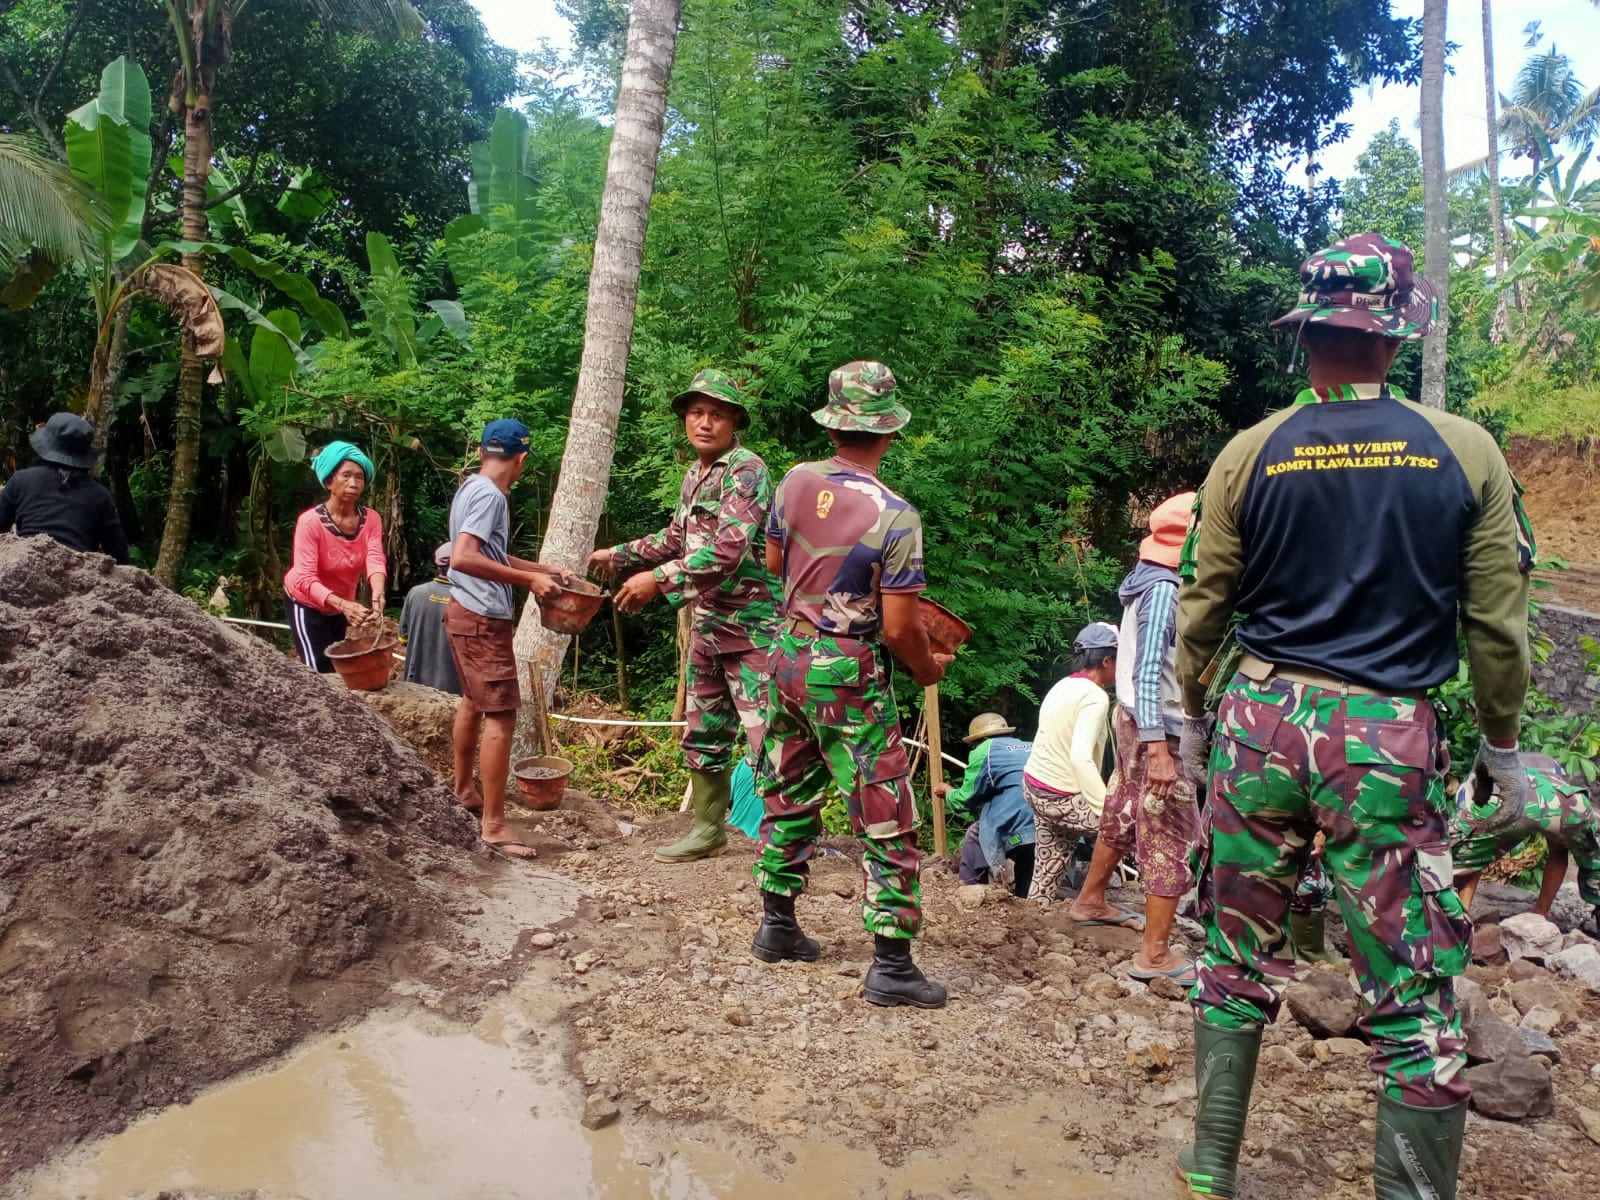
{"x":930,"y":713}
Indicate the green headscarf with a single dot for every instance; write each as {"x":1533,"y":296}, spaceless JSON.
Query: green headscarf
{"x":334,"y":453}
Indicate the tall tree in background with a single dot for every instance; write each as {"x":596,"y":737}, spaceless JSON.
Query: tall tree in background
{"x":1435,"y":197}
{"x":1491,"y":113}
{"x":580,"y":494}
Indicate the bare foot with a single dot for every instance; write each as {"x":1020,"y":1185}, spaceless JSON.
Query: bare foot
{"x":471,"y":799}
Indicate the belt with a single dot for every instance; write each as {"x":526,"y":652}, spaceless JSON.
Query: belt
{"x":800,"y":627}
{"x":1260,"y":670}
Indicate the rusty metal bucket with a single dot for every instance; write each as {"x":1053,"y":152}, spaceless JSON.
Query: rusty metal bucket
{"x":946,"y":631}
{"x":572,"y":608}
{"x":541,"y":780}
{"x":363,"y":662}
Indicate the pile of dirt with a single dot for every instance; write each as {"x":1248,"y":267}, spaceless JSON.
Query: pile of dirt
{"x":207,"y":850}
{"x":1558,"y":479}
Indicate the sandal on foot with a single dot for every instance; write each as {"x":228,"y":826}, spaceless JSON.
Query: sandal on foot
{"x":503,"y":849}
{"x":1120,"y":921}
{"x":1184,"y":974}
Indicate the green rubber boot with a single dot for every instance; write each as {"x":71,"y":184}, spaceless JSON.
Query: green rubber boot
{"x":710,"y":794}
{"x":1224,"y":1071}
{"x":1310,"y":934}
{"x":1418,"y":1151}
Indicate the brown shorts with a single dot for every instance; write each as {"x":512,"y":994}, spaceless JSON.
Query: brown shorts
{"x":484,"y":658}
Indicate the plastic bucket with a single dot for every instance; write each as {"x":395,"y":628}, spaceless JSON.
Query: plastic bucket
{"x":541,"y":780}
{"x":946,"y":631}
{"x":572,"y":607}
{"x":363,"y":665}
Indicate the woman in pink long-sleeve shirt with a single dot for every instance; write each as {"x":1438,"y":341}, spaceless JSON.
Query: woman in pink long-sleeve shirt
{"x":335,"y":543}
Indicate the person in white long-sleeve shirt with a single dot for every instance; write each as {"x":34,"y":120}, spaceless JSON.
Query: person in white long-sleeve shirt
{"x":1062,"y":781}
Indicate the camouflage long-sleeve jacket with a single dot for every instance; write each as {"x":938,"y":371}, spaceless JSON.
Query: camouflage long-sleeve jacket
{"x":713,"y":553}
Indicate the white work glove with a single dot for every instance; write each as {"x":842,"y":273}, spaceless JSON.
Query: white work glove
{"x":1194,"y":751}
{"x":1501,"y":781}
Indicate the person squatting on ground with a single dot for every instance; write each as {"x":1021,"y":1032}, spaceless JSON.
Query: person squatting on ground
{"x":1150,"y":809}
{"x":1555,"y":806}
{"x":711,"y":556}
{"x":335,"y":544}
{"x":422,"y":632}
{"x":849,"y":553}
{"x":1349,"y":529}
{"x":1061,"y":780}
{"x":481,"y":625}
{"x":59,"y":498}
{"x":991,"y":793}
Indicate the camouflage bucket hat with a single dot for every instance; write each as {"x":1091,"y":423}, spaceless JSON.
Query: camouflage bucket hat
{"x":1366,"y":283}
{"x":861,"y":396}
{"x":714,"y":385}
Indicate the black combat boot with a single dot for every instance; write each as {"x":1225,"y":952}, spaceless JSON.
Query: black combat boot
{"x":780,"y":936}
{"x":894,"y":979}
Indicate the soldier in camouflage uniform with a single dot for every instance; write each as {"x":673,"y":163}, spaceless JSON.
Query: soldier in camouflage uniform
{"x":1557,"y":807}
{"x":712,"y":556}
{"x":849,"y":552}
{"x":1348,"y":529}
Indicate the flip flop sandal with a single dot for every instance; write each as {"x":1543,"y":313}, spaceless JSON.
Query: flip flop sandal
{"x":1124,"y":915}
{"x":1184,"y":974}
{"x":500,"y":848}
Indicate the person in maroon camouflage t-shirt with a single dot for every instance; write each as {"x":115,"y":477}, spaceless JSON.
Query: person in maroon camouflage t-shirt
{"x":849,"y":552}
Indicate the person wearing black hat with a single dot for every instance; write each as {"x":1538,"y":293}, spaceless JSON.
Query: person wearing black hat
{"x":59,"y":498}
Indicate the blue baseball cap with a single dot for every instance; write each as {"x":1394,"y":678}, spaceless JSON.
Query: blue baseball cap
{"x":507,"y":437}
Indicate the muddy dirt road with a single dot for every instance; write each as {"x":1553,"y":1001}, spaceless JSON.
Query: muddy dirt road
{"x":708,"y":1074}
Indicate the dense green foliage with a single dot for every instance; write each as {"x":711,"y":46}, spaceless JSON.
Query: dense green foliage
{"x":1064,"y":226}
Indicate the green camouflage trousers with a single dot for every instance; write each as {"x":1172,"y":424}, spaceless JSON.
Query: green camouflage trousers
{"x":1290,"y":759}
{"x":832,"y":722}
{"x":725,"y":690}
{"x":1557,"y":808}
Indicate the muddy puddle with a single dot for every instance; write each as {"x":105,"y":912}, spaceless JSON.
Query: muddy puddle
{"x":405,"y":1106}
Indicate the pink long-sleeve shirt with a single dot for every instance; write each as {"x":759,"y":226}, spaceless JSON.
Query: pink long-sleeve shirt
{"x":327,"y":563}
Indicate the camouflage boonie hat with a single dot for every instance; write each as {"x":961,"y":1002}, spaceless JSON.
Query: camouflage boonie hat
{"x":714,"y":385}
{"x":1365,"y":283}
{"x":861,"y":396}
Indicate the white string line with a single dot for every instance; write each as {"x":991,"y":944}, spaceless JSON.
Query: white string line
{"x":954,"y":762}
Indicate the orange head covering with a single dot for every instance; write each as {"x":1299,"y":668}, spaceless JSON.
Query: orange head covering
{"x":1169,"y":525}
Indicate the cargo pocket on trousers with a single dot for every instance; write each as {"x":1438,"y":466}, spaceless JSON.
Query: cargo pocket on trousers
{"x":1246,"y":731}
{"x":1390,"y":763}
{"x":1442,"y":947}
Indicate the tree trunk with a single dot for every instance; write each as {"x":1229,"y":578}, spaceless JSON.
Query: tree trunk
{"x":1491,"y":111}
{"x":580,"y":492}
{"x":1435,"y":198}
{"x":110,"y":363}
{"x":191,"y":371}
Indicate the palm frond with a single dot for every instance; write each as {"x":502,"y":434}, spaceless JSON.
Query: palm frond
{"x":42,"y":206}
{"x":397,"y":16}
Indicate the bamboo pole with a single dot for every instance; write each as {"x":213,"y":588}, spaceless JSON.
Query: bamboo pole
{"x":930,"y":712}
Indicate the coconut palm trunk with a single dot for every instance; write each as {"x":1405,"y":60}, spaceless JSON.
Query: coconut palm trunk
{"x":1435,"y":199}
{"x":1500,"y":327}
{"x":580,"y":492}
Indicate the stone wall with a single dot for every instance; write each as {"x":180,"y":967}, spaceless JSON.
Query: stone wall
{"x":1564,"y":678}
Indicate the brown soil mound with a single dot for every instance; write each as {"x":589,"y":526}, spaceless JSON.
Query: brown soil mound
{"x":1559,"y":482}
{"x":201,"y":840}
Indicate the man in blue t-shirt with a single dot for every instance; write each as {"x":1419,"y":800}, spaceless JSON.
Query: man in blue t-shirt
{"x":479,"y":620}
